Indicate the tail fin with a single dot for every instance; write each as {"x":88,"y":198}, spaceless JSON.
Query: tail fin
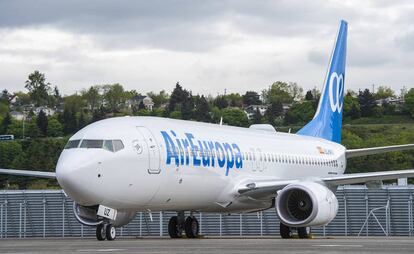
{"x":327,"y":122}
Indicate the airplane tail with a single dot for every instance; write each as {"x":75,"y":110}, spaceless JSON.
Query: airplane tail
{"x":327,"y":122}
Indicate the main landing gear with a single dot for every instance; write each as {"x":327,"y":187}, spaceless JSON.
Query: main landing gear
{"x":179,"y":223}
{"x":105,"y":231}
{"x":286,"y":232}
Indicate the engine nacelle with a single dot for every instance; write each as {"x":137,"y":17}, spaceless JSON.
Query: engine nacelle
{"x":306,"y":204}
{"x":87,"y":215}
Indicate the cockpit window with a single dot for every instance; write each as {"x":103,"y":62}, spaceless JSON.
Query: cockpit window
{"x":91,"y":143}
{"x":108,"y":145}
{"x":72,"y":144}
{"x":118,"y":145}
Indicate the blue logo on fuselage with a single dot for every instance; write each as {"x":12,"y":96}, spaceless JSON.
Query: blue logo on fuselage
{"x":202,"y":153}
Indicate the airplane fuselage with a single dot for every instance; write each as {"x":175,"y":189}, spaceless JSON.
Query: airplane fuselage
{"x":177,"y":165}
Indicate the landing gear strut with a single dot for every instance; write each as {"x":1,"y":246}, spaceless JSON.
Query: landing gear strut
{"x":286,"y":232}
{"x":105,"y":231}
{"x":178,"y":224}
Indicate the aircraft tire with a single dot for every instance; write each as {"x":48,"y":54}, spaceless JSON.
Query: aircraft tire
{"x":101,"y":232}
{"x":191,"y":227}
{"x":304,"y":232}
{"x":110,"y":232}
{"x":174,"y":230}
{"x":285,"y":231}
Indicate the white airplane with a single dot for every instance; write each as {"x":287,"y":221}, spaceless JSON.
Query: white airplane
{"x":117,"y":167}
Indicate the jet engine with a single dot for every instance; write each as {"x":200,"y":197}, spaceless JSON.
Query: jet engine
{"x":87,"y":215}
{"x":306,"y":204}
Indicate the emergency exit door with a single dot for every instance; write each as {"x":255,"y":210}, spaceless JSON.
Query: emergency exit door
{"x":153,"y":150}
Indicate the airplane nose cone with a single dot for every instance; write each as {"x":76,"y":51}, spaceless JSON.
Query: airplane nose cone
{"x":76,"y":183}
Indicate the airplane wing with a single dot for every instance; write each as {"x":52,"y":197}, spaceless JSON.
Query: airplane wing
{"x":41,"y":174}
{"x":350,"y":153}
{"x":260,"y":189}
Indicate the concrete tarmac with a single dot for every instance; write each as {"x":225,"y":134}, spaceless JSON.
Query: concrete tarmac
{"x":210,"y":245}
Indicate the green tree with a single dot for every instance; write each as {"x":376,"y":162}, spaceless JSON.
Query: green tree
{"x":159,"y":99}
{"x":5,"y":97}
{"x":409,"y":102}
{"x":384,"y":92}
{"x":16,"y":129}
{"x":54,"y":128}
{"x":251,"y":98}
{"x":273,"y":112}
{"x":235,"y":100}
{"x":235,"y":117}
{"x":69,"y":120}
{"x":42,"y":122}
{"x":202,"y":108}
{"x":32,"y":130}
{"x":352,"y":108}
{"x":221,"y":102}
{"x":92,"y":97}
{"x":38,"y":88}
{"x":181,"y":100}
{"x":309,"y":96}
{"x":5,"y":123}
{"x":300,"y":113}
{"x":367,"y":102}
{"x":115,"y":97}
{"x":257,"y":117}
{"x":283,"y":92}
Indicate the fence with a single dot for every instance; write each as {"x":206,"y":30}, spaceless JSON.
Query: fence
{"x":362,"y":211}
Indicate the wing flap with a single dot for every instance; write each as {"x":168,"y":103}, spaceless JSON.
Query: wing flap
{"x":40,"y":174}
{"x":376,"y":150}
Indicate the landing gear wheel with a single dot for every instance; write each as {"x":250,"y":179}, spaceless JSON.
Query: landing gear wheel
{"x":285,"y":231}
{"x":101,"y":232}
{"x":304,"y":232}
{"x":110,"y":232}
{"x":191,"y":227}
{"x":174,"y":229}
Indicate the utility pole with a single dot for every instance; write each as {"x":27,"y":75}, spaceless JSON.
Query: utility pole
{"x":24,"y":119}
{"x":373,"y":88}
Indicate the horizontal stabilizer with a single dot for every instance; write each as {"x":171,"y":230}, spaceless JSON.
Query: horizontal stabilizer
{"x":40,"y":174}
{"x":376,"y":150}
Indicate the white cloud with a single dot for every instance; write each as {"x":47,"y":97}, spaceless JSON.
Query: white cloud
{"x":237,"y":45}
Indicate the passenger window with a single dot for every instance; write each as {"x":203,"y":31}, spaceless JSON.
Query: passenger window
{"x":72,"y":144}
{"x":108,"y":145}
{"x":118,"y":145}
{"x":91,"y":143}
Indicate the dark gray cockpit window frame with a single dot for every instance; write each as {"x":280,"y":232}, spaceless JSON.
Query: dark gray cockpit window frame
{"x":72,"y":144}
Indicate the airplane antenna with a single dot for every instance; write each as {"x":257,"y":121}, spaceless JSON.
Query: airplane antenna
{"x":289,"y":130}
{"x":221,"y":120}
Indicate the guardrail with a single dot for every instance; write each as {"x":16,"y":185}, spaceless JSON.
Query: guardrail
{"x":362,"y":211}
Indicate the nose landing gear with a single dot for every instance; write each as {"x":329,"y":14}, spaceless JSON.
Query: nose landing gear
{"x":178,"y":224}
{"x":105,"y":231}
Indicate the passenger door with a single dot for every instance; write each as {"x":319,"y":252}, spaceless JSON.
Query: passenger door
{"x":153,"y":150}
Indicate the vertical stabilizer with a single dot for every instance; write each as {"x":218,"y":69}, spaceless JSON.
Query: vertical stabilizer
{"x":327,"y":122}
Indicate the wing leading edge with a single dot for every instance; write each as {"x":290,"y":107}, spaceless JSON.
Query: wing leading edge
{"x":350,"y":153}
{"x":267,"y":188}
{"x":41,"y":174}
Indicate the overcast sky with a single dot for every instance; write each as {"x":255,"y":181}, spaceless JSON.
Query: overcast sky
{"x":206,"y":45}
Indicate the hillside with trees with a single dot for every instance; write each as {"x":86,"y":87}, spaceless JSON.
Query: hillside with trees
{"x":42,"y":120}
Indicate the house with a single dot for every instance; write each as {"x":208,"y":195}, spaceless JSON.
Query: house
{"x":48,"y":111}
{"x":136,"y":101}
{"x":252,"y":109}
{"x":17,"y":115}
{"x":391,"y":101}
